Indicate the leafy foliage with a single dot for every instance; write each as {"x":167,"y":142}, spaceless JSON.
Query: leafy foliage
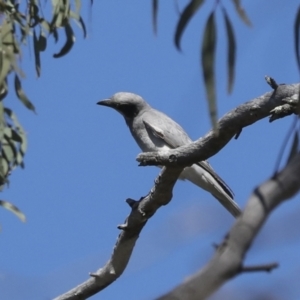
{"x":208,"y":44}
{"x":22,"y":22}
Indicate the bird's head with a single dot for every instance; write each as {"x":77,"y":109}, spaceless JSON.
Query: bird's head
{"x":127,"y":104}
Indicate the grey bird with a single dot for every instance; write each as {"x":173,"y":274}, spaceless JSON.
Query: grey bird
{"x":155,"y":131}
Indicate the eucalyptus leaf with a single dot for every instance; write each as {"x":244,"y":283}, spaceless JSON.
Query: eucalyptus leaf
{"x":185,"y":17}
{"x":7,"y":205}
{"x":241,"y":12}
{"x":81,"y":22}
{"x":5,"y":67}
{"x":9,"y":151}
{"x":231,"y":51}
{"x":69,"y":42}
{"x":36,"y":55}
{"x":42,"y":42}
{"x":21,"y":95}
{"x":4,"y":167}
{"x":154,"y":15}
{"x":208,"y":64}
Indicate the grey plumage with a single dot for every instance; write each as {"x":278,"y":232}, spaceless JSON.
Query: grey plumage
{"x":155,"y":131}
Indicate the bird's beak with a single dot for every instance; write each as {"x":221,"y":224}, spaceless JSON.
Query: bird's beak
{"x":105,"y":102}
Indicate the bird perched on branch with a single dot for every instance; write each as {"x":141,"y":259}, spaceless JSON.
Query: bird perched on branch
{"x":155,"y":131}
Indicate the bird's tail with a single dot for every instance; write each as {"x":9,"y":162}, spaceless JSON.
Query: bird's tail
{"x":204,"y":176}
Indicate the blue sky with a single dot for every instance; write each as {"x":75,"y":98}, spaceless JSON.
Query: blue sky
{"x":80,"y":164}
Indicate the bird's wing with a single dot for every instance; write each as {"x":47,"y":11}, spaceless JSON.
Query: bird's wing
{"x":207,"y":167}
{"x":164,"y":128}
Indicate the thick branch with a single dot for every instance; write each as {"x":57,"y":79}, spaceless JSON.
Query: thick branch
{"x":142,"y":210}
{"x":229,"y":125}
{"x":229,"y":257}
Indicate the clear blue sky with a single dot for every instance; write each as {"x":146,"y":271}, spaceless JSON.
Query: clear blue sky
{"x":80,"y":164}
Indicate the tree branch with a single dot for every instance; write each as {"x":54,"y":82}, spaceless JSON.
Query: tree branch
{"x":229,"y":125}
{"x":228,"y":259}
{"x":161,"y":194}
{"x":142,"y":210}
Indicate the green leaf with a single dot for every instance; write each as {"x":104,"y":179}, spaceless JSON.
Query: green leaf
{"x":9,"y":151}
{"x":5,"y":66}
{"x":3,"y":90}
{"x":241,"y":12}
{"x":42,"y":42}
{"x":296,"y":36}
{"x":4,"y":167}
{"x":7,"y":33}
{"x":81,"y":22}
{"x":7,"y":205}
{"x":19,"y":160}
{"x":55,"y":34}
{"x":45,"y":24}
{"x":23,"y":146}
{"x":295,"y":147}
{"x":34,"y":14}
{"x":69,"y":42}
{"x":17,"y":134}
{"x":208,"y":62}
{"x":231,"y":51}
{"x":185,"y":17}
{"x":78,"y":5}
{"x":154,"y":15}
{"x":21,"y":95}
{"x":36,"y":55}
{"x":2,"y":121}
{"x":13,"y":117}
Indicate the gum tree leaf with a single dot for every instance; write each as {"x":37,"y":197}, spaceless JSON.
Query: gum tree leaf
{"x":23,"y":145}
{"x":208,"y":63}
{"x":7,"y":33}
{"x":3,"y":90}
{"x":241,"y":12}
{"x":21,"y":95}
{"x":15,"y":136}
{"x":9,"y":151}
{"x":2,"y":121}
{"x":12,"y":116}
{"x":77,"y":5}
{"x":7,"y":205}
{"x":296,"y":36}
{"x":5,"y":67}
{"x":230,"y":52}
{"x":36,"y":55}
{"x":69,"y":42}
{"x":3,"y":171}
{"x":42,"y":42}
{"x":185,"y":17}
{"x":45,"y":24}
{"x":154,"y":15}
{"x":81,"y":22}
{"x":55,"y":34}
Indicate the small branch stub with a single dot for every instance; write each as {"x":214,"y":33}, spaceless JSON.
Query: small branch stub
{"x":271,"y":82}
{"x":260,"y":268}
{"x":131,"y":202}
